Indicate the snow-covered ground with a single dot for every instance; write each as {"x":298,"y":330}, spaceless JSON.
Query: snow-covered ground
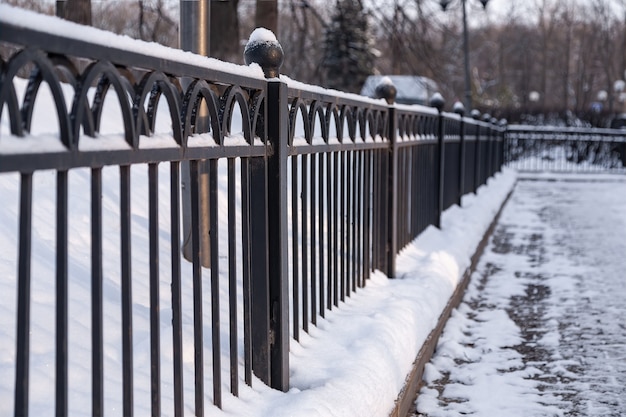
{"x":541,"y":331}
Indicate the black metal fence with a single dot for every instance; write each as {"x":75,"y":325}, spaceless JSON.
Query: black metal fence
{"x":323,"y":189}
{"x":537,"y":148}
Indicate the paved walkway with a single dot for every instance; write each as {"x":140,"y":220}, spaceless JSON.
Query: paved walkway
{"x":542,"y":328}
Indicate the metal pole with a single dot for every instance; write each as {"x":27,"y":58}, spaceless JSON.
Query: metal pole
{"x":468,"y":87}
{"x":195,"y":18}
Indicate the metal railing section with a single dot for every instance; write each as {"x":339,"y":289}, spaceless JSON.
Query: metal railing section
{"x":325,"y":188}
{"x":536,"y":148}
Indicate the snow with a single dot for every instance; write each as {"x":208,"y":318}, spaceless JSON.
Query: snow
{"x":353,"y":363}
{"x":385,"y":81}
{"x":540,"y":331}
{"x":260,"y":35}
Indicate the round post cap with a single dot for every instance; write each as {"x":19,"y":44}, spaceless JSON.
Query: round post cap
{"x":264,"y":49}
{"x":437,"y":101}
{"x":459,"y":108}
{"x":385,"y":89}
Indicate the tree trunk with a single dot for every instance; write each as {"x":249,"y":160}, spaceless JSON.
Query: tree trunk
{"x":224,"y":30}
{"x":78,"y":11}
{"x":267,"y":15}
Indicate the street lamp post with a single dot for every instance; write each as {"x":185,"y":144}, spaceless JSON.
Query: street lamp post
{"x":468,"y":85}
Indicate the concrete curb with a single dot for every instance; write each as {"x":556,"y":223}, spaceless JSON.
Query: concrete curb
{"x":406,"y":398}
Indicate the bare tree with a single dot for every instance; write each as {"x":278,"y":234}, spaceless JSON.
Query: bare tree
{"x":78,"y":11}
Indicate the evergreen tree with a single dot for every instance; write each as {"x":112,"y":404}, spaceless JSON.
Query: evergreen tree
{"x":348,"y":53}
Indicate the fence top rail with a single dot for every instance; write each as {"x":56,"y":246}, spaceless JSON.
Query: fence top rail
{"x":57,"y":36}
{"x":566,"y":130}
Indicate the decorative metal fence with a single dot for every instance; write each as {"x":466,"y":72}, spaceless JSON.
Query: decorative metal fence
{"x":323,"y":188}
{"x":538,"y":148}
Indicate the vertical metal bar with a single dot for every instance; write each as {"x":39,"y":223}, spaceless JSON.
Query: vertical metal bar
{"x":401,"y":218}
{"x":232,"y":279}
{"x":477,"y":159}
{"x":305,"y":265}
{"x":335,"y":213}
{"x":313,"y":247}
{"x":358,"y":207}
{"x":259,"y":269}
{"x":383,"y":215}
{"x":126,"y":295}
{"x":399,"y":198}
{"x":320,"y":232}
{"x":392,"y":195}
{"x":215,"y":292}
{"x":376,"y":204}
{"x":198,"y":340}
{"x":294,"y":249}
{"x":367,"y":216}
{"x":177,"y":338}
{"x":277,"y":122}
{"x":440,"y":167}
{"x":348,"y":222}
{"x":97,"y":338}
{"x":329,"y":231}
{"x":462,"y":153}
{"x":245,"y":254}
{"x":155,"y":339}
{"x":411,"y":192}
{"x":353,"y":223}
{"x":61,"y":294}
{"x":23,"y":297}
{"x":342,"y":222}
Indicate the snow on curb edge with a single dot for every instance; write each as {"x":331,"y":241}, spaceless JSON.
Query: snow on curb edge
{"x":408,"y":395}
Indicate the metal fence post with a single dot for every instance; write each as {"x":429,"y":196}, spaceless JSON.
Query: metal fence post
{"x":501,"y":137}
{"x":195,"y":18}
{"x":438,"y":102}
{"x":460,"y":110}
{"x":388,"y":91}
{"x":270,"y":307}
{"x":476,"y":116}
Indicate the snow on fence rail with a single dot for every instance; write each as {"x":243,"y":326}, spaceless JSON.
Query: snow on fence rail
{"x":119,"y":159}
{"x":544,"y":148}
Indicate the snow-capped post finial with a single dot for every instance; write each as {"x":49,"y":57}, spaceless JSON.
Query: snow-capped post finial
{"x":459,"y":108}
{"x":385,"y":89}
{"x":264,"y":49}
{"x":475,"y":114}
{"x":437,"y":101}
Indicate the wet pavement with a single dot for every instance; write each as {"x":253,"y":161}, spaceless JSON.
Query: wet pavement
{"x":542,"y":328}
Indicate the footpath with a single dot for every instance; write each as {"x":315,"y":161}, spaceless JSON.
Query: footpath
{"x":541,"y":330}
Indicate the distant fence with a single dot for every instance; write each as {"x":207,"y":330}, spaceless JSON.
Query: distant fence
{"x":324,"y":189}
{"x":538,"y":148}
